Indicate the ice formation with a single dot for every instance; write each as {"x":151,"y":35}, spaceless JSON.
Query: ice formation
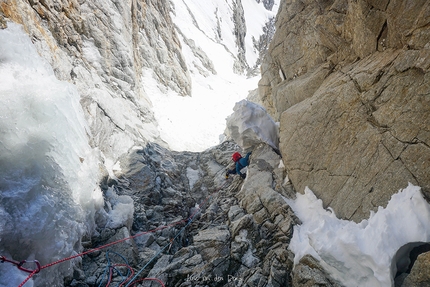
{"x":48,"y":171}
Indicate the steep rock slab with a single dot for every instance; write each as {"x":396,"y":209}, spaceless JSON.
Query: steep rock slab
{"x":308,"y":273}
{"x":348,"y":82}
{"x":262,"y":197}
{"x":327,"y":35}
{"x":363,"y":135}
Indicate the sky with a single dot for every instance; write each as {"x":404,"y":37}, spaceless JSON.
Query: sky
{"x":196,"y":123}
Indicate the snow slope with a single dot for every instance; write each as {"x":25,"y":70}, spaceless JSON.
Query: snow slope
{"x":195,"y":123}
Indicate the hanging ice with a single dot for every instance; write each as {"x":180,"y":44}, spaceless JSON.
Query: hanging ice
{"x":48,"y":171}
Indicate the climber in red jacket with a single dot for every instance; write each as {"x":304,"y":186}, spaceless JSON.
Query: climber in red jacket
{"x":241,"y":162}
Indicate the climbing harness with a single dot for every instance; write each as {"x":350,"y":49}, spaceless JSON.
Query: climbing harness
{"x":131,"y":282}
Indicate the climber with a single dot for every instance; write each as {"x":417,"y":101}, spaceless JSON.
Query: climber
{"x":241,"y":162}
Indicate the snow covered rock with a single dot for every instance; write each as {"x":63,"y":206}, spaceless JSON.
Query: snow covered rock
{"x":250,"y":125}
{"x":384,"y":243}
{"x":103,"y":47}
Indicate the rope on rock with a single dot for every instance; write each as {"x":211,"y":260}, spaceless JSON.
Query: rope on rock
{"x":111,"y":267}
{"x":159,"y":252}
{"x":39,"y":268}
{"x":130,"y":272}
{"x":190,"y":220}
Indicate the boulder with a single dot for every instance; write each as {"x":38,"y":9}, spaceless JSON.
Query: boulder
{"x":309,"y":273}
{"x":250,"y":125}
{"x":362,"y":135}
{"x":419,"y":275}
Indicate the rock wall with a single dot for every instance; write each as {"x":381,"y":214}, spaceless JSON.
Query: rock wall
{"x":348,"y":81}
{"x":103,"y":47}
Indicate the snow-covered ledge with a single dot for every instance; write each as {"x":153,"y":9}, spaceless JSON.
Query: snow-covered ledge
{"x":365,"y":253}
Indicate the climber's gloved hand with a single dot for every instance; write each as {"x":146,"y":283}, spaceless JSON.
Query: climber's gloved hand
{"x":227,"y":174}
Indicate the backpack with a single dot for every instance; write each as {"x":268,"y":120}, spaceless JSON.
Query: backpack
{"x":236,"y":156}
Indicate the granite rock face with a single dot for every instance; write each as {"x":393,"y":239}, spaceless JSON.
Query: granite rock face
{"x":109,"y":49}
{"x":309,"y":273}
{"x":419,"y":277}
{"x":348,"y":81}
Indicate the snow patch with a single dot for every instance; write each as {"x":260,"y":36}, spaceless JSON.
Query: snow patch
{"x":121,"y":209}
{"x":48,"y":171}
{"x":248,"y":259}
{"x":92,"y":54}
{"x":360,"y":254}
{"x":193,"y":176}
{"x":196,"y":123}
